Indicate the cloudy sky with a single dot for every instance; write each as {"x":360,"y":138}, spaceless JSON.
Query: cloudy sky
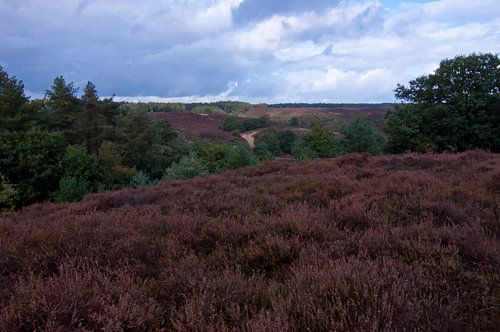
{"x":253,"y":50}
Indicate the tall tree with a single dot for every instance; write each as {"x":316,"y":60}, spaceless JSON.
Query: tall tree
{"x":361,"y":136}
{"x":455,"y":108}
{"x":13,"y":111}
{"x":63,"y":108}
{"x":93,"y":120}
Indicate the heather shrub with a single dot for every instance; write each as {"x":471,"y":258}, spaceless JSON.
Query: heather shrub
{"x":356,"y":242}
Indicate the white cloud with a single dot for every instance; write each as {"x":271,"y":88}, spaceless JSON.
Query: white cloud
{"x":343,"y":51}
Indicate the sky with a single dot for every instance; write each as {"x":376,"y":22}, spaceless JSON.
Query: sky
{"x":251,"y":50}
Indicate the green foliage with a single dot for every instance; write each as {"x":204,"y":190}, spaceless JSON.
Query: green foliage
{"x":232,"y":123}
{"x":263,"y":151}
{"x":456,"y":108}
{"x":267,"y":144}
{"x":71,"y":189}
{"x":271,"y":143}
{"x":254,"y":123}
{"x":114,"y":174}
{"x":30,"y":161}
{"x":213,"y":154}
{"x":76,"y":163}
{"x":403,"y":130}
{"x":63,"y":109}
{"x":301,"y":151}
{"x":148,"y":145}
{"x":141,"y":179}
{"x":361,"y":136}
{"x":239,"y":156}
{"x":8,"y":195}
{"x":13,"y":113}
{"x":188,"y":167}
{"x":319,"y":142}
{"x":286,"y":139}
{"x":294,"y":122}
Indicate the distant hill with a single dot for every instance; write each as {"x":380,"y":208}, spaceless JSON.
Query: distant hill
{"x":332,"y":105}
{"x":352,"y":243}
{"x":190,"y":124}
{"x":333,"y":117}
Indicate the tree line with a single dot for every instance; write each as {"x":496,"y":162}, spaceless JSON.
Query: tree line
{"x":66,"y":146}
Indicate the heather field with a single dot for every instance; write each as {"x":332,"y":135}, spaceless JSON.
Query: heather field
{"x":333,"y":117}
{"x":203,"y":125}
{"x":353,"y":243}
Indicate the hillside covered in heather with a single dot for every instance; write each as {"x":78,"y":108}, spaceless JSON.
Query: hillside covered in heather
{"x":352,"y":243}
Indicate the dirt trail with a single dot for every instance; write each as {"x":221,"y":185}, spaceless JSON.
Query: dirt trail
{"x":249,"y":137}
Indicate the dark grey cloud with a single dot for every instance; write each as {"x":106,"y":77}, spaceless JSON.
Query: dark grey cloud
{"x":257,"y":50}
{"x":251,"y":11}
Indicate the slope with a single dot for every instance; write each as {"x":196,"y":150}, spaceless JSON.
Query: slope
{"x":353,"y":243}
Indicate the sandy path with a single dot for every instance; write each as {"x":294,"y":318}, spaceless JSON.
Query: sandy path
{"x":249,"y":137}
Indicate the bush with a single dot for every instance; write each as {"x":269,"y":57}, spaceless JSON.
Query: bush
{"x":141,"y":179}
{"x":239,"y":156}
{"x":231,"y":123}
{"x":301,"y":151}
{"x":319,"y":142}
{"x":361,"y":136}
{"x":267,"y":144}
{"x":188,"y":167}
{"x":286,"y":139}
{"x":8,"y":195}
{"x":71,"y":189}
{"x":253,"y":123}
{"x":214,"y":154}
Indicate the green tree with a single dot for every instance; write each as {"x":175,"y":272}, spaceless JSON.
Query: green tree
{"x":62,"y":108}
{"x":294,"y":122}
{"x":286,"y":139}
{"x":319,"y":142}
{"x":214,"y":154}
{"x":188,"y":167}
{"x":361,"y":136}
{"x":141,"y":179}
{"x":301,"y":151}
{"x":137,"y":140}
{"x":267,"y":144}
{"x":231,"y":123}
{"x":455,"y":108}
{"x":30,"y":161}
{"x":71,"y":189}
{"x":8,"y":195}
{"x":13,"y":111}
{"x":77,"y":164}
{"x":94,"y":124}
{"x":254,"y":123}
{"x":263,"y":151}
{"x":239,"y":156}
{"x":114,"y":174}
